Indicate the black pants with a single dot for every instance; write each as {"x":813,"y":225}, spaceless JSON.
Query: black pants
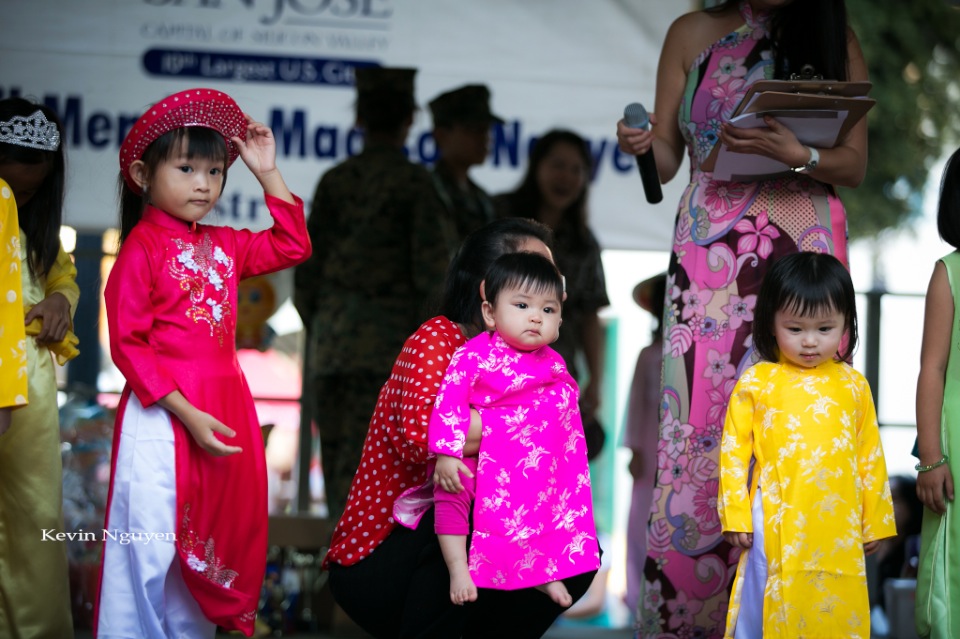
{"x":402,"y":590}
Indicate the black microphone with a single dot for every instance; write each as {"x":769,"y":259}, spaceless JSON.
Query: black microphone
{"x":635,"y":117}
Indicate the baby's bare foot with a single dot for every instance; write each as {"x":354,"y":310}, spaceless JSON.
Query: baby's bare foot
{"x":462,"y":588}
{"x":558,"y":593}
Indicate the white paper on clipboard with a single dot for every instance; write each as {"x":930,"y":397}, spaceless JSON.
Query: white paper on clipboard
{"x":819,"y":128}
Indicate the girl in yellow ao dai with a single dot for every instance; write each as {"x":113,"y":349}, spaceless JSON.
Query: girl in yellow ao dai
{"x":803,"y":481}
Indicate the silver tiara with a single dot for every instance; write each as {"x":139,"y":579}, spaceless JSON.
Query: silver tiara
{"x":33,"y":131}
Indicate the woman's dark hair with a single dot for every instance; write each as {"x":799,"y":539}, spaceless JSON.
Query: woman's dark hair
{"x":525,"y":201}
{"x":811,"y":32}
{"x":460,"y":301}
{"x":201,"y":143}
{"x":384,"y":110}
{"x":531,"y":271}
{"x":807,"y":284}
{"x":948,"y":211}
{"x":40,"y":218}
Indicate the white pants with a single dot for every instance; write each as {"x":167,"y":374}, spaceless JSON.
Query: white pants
{"x":143,"y":594}
{"x":750,"y":616}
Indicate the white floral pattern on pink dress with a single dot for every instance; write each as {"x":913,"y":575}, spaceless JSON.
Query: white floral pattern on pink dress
{"x":533,"y":513}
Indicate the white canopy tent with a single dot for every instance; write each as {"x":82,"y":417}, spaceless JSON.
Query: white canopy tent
{"x":549,"y":63}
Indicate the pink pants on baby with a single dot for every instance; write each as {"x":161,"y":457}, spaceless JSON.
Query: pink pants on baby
{"x":452,"y":511}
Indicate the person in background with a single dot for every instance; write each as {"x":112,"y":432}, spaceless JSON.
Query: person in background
{"x":382,"y":244}
{"x":461,"y":129}
{"x":726,"y":236}
{"x":897,"y":557}
{"x":642,"y":432}
{"x":938,"y":419}
{"x":555,"y":191}
{"x":38,"y":297}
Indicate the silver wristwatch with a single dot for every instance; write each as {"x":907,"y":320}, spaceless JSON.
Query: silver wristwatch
{"x":811,"y":163}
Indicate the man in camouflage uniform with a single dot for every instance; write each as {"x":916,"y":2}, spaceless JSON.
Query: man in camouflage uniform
{"x":461,"y":128}
{"x":381,"y":245}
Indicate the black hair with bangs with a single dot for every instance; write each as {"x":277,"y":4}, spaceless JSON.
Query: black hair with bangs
{"x":202,"y":142}
{"x":460,"y":301}
{"x":527,"y":271}
{"x":808,"y":284}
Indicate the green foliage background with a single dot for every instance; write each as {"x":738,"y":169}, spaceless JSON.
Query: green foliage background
{"x":912,"y":49}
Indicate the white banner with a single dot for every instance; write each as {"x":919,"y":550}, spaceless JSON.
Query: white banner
{"x":549,"y":64}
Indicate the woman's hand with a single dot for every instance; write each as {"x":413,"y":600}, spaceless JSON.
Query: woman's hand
{"x":447,"y":473}
{"x":633,"y":140}
{"x":871,"y":547}
{"x":933,"y":486}
{"x":776,"y":142}
{"x":55,"y":312}
{"x":739,"y":539}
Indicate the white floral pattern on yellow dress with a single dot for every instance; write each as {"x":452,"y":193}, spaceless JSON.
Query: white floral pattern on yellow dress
{"x":13,"y":352}
{"x":819,"y":465}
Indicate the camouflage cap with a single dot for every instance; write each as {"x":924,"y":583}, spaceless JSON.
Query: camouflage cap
{"x":399,"y":80}
{"x":470,"y":103}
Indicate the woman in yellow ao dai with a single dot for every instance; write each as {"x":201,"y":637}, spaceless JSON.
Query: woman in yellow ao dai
{"x":817,"y":491}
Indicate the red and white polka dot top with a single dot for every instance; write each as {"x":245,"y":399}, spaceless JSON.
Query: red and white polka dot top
{"x":395,"y":451}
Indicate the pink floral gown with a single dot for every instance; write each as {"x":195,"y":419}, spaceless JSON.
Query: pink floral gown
{"x":533,"y":512}
{"x":727,"y":235}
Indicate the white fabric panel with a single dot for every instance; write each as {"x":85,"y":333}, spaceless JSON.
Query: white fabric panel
{"x":143,"y":595}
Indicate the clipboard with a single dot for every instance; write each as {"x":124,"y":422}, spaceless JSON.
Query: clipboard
{"x":805,"y":87}
{"x":770,"y":96}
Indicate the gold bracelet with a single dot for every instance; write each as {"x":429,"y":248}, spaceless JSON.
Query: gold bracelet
{"x":923,"y":469}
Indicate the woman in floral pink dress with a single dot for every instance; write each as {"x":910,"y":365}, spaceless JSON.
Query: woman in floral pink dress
{"x":726,"y":236}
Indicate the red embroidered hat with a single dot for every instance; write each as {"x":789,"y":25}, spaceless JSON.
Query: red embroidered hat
{"x":195,"y":107}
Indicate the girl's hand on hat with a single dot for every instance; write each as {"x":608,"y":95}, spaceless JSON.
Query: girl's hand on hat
{"x":259,"y":149}
{"x":259,"y":153}
{"x":55,"y":313}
